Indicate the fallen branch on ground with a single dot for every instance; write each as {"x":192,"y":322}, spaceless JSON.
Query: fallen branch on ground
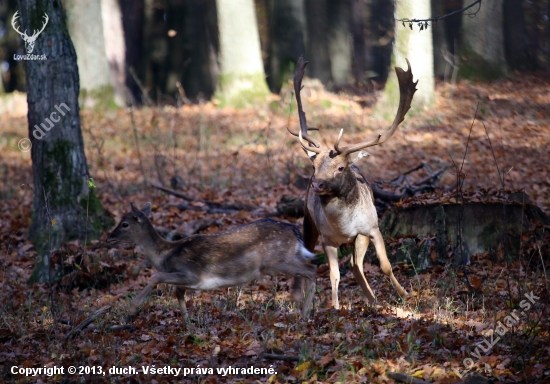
{"x":83,"y":324}
{"x":210,"y":206}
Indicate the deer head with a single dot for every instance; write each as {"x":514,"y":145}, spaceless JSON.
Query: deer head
{"x":332,"y":173}
{"x":29,"y":40}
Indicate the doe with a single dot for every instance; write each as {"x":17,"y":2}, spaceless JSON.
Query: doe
{"x":224,"y":259}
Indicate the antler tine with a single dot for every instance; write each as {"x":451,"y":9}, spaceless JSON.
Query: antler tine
{"x":298,"y":76}
{"x":13,"y":19}
{"x":338,"y":140}
{"x":407,"y":88}
{"x":307,"y":148}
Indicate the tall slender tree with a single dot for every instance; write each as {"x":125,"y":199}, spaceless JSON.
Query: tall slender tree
{"x":64,"y":206}
{"x":85,"y":25}
{"x":416,"y":46}
{"x":242,"y":78}
{"x":482,"y":47}
{"x":317,"y":20}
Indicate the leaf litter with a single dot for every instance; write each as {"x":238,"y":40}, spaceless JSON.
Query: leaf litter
{"x":247,"y":156}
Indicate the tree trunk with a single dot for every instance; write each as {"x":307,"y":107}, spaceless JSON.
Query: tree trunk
{"x":482,"y":47}
{"x":201,"y":46}
{"x":115,"y":48}
{"x":286,"y":40}
{"x":64,"y":206}
{"x":316,"y":41}
{"x":382,"y":26}
{"x":242,"y":78}
{"x":359,"y":63}
{"x":417,"y":47}
{"x":85,"y":25}
{"x":441,"y":47}
{"x":339,"y":40}
{"x":133,"y":20}
{"x":517,"y":48}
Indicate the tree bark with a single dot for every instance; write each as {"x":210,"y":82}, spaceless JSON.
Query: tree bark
{"x":242,"y":78}
{"x":359,"y":64}
{"x":85,"y":25}
{"x":339,"y":40}
{"x":133,"y":21}
{"x":417,"y":47}
{"x":64,"y":207}
{"x":286,"y":40}
{"x":439,"y":39}
{"x":201,"y":46}
{"x":316,"y":41}
{"x":382,"y":26}
{"x":115,"y":48}
{"x":517,"y":48}
{"x":482,"y":47}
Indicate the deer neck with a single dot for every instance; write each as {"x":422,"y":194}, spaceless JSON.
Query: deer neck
{"x":346,"y":195}
{"x":154,"y":247}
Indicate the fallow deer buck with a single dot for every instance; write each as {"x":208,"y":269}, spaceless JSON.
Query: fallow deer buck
{"x":224,"y":259}
{"x":340,"y":203}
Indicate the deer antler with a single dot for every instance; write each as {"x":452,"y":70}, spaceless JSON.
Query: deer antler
{"x":13,"y":19}
{"x":298,"y":76}
{"x":407,"y":88}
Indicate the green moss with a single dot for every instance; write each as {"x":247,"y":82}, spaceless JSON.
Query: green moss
{"x":241,"y":91}
{"x":93,"y":209}
{"x":475,"y":67}
{"x":102,"y":98}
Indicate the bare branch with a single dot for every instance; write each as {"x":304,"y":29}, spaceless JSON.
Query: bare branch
{"x":425,"y":23}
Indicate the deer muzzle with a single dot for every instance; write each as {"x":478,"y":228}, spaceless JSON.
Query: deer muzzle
{"x":319,"y":186}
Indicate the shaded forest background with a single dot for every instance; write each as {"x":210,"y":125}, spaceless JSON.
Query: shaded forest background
{"x":151,"y":116}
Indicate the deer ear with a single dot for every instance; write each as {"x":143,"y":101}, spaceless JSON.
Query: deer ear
{"x":134,"y":209}
{"x":146,"y":209}
{"x":356,"y":156}
{"x":310,"y":154}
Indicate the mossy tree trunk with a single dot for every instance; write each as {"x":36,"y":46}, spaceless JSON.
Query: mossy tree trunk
{"x":340,"y":41}
{"x":318,"y":55}
{"x":64,"y":207}
{"x":200,"y":49}
{"x":242,"y":78}
{"x":85,"y":26}
{"x":416,"y":46}
{"x":133,"y":20}
{"x":286,"y":40}
{"x":440,"y":44}
{"x":115,"y":50}
{"x":482,"y":47}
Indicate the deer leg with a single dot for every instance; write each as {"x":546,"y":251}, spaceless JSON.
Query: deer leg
{"x":180,"y":295}
{"x":385,"y":265}
{"x":332,"y":257}
{"x":311,"y":235}
{"x":309,"y":290}
{"x":161,"y":277}
{"x":361,"y":245}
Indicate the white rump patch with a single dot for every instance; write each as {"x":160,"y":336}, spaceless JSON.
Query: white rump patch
{"x":305,"y":253}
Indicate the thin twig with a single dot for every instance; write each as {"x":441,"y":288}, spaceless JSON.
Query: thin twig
{"x":441,"y":17}
{"x":500,"y":176}
{"x":136,"y":139}
{"x":100,"y":312}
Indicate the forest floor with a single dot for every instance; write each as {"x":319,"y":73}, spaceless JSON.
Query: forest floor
{"x":247,"y":156}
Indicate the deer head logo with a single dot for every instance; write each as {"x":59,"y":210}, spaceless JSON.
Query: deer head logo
{"x":29,"y":40}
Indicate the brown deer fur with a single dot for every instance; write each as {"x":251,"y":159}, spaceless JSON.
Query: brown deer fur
{"x":340,"y":204}
{"x":224,"y":259}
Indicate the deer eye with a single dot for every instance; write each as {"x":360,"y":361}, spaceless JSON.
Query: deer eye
{"x":341,"y":168}
{"x":124,"y":225}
